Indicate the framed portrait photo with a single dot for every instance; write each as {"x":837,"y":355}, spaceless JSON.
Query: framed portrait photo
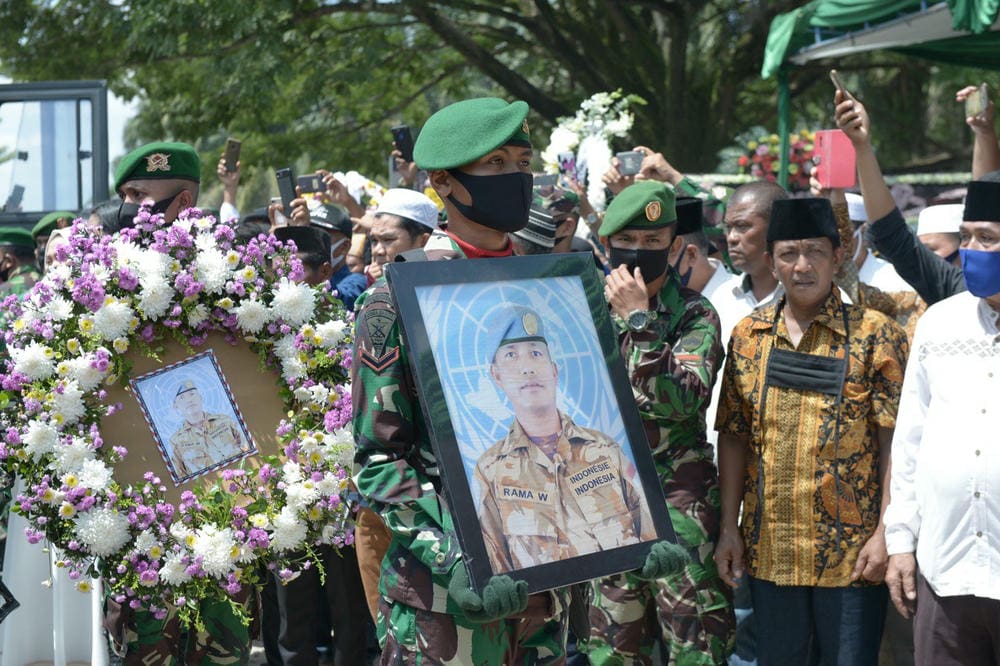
{"x":193,"y":417}
{"x":543,"y":457}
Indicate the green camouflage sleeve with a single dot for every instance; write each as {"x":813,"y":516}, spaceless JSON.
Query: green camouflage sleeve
{"x":674,"y":381}
{"x":395,"y":467}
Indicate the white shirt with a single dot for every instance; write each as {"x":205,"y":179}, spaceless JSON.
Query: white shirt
{"x":228,"y":210}
{"x":719,"y":278}
{"x":946,"y":451}
{"x":880,"y":274}
{"x":733,"y":300}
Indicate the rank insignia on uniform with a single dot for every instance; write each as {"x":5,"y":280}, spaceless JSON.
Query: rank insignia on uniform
{"x":157,"y":162}
{"x":524,"y":126}
{"x":374,"y":331}
{"x":530,"y":323}
{"x":653,"y":211}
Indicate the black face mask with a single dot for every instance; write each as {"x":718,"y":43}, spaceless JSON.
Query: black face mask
{"x":952,"y":257}
{"x":652,"y":263}
{"x":128,"y":211}
{"x":677,"y":267}
{"x":498,"y":202}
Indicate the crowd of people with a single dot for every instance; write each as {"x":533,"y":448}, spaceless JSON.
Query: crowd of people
{"x":811,"y":374}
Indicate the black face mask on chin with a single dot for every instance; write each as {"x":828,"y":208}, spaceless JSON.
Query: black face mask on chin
{"x":498,"y":202}
{"x":651,"y":263}
{"x":686,"y":277}
{"x":128,"y":211}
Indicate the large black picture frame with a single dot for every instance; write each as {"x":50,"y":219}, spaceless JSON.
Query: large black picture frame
{"x":465,"y":286}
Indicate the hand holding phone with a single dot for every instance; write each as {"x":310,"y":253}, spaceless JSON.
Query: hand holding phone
{"x":629,"y":162}
{"x":286,"y":188}
{"x":311,"y":183}
{"x":232,"y":153}
{"x":977,"y":101}
{"x":404,"y":141}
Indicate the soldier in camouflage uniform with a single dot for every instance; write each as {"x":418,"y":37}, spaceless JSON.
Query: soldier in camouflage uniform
{"x":168,"y":175}
{"x":478,"y":155}
{"x":550,"y":489}
{"x":669,"y":337}
{"x":17,"y":257}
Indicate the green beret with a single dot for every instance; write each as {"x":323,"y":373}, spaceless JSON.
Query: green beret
{"x":49,"y":222}
{"x":512,"y":324}
{"x":463,"y":132}
{"x":161,"y":160}
{"x":16,"y":236}
{"x":185,"y":386}
{"x":647,"y":204}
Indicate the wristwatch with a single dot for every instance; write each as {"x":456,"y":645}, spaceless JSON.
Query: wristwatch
{"x":592,"y":218}
{"x":639,"y":320}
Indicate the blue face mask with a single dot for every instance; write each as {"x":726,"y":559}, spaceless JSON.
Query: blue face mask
{"x":982,"y":272}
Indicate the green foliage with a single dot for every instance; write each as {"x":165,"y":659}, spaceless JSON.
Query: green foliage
{"x":318,"y":83}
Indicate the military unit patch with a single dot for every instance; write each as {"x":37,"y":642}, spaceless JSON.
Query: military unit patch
{"x":157,"y":162}
{"x":653,"y":210}
{"x":373,"y":331}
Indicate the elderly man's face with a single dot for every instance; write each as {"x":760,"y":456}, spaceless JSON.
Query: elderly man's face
{"x":806,"y":268}
{"x":389,"y":238}
{"x":983,"y":236}
{"x":526,"y":373}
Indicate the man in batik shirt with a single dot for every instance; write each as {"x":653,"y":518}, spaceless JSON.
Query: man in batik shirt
{"x":808,"y":406}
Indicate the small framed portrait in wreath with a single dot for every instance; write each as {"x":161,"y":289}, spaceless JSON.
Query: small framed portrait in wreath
{"x":543,"y":457}
{"x":193,"y":416}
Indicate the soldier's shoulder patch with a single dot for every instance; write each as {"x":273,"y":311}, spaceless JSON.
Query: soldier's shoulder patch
{"x":375,"y":323}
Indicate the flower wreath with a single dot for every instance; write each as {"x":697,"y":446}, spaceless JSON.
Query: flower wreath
{"x":66,"y":342}
{"x":600,"y":118}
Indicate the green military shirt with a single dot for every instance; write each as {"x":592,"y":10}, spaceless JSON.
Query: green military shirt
{"x":537,"y":510}
{"x":396,"y":471}
{"x":672,"y":366}
{"x":20,"y":281}
{"x":196,"y":446}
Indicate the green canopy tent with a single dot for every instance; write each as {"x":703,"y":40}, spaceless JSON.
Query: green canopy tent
{"x":964,"y":32}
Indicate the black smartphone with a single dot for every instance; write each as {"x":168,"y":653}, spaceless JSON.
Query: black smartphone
{"x":311,"y":183}
{"x":629,"y":162}
{"x":14,"y":200}
{"x":404,"y":141}
{"x":286,"y":188}
{"x":839,"y":84}
{"x":232,"y":153}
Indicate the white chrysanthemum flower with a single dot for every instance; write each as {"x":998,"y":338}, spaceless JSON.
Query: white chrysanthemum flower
{"x":213,"y":271}
{"x":153,"y":267}
{"x":180,"y":532}
{"x":289,"y":531}
{"x":301,"y":495}
{"x":155,"y":298}
{"x":319,"y":394}
{"x":70,"y":457}
{"x":112,"y":319}
{"x":174,"y":571}
{"x":100,"y":272}
{"x":58,"y":273}
{"x":293,"y":302}
{"x":330,"y":333}
{"x":39,"y":438}
{"x":329,"y":485}
{"x":69,"y":403}
{"x":252,"y":316}
{"x":562,"y":140}
{"x":83,"y":371}
{"x":198,"y":314}
{"x":35,"y":361}
{"x":205,"y":242}
{"x":59,"y":308}
{"x":340,"y":447}
{"x":103,"y":531}
{"x":260,"y":520}
{"x":217,"y":548}
{"x":145,"y":541}
{"x":302,"y":394}
{"x":94,"y":474}
{"x":292,"y":369}
{"x":291,"y":472}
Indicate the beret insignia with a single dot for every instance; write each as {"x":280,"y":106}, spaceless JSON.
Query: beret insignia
{"x":157,"y":162}
{"x":653,"y":211}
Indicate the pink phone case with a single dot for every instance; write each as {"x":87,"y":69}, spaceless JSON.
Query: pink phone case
{"x":835,"y":154}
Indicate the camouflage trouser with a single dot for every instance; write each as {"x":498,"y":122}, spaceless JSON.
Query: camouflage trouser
{"x":413,"y":637}
{"x":692,"y":610}
{"x":148,"y":641}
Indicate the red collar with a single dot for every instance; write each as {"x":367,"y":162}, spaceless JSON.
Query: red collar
{"x":473,"y":252}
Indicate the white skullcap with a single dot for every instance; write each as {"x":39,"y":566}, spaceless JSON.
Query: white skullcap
{"x":856,"y":207}
{"x":942,"y":219}
{"x":409,"y":204}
